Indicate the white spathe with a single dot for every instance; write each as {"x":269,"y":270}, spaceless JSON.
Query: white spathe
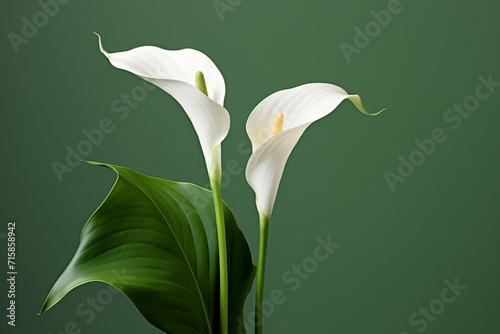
{"x":175,"y":73}
{"x":300,"y":106}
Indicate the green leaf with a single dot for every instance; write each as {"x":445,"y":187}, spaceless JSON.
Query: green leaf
{"x":156,"y":241}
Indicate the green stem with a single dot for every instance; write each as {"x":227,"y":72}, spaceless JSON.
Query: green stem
{"x":261,"y":270}
{"x":215,"y":183}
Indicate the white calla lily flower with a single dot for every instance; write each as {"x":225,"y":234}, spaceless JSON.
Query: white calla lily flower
{"x":180,"y":73}
{"x":276,"y":125}
{"x":191,"y":78}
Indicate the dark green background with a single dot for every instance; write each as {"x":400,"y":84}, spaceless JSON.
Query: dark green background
{"x":396,"y":247}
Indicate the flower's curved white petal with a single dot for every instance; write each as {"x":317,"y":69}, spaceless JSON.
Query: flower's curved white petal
{"x":175,"y":73}
{"x":266,"y":166}
{"x":301,"y":106}
{"x":210,"y":120}
{"x":180,"y":65}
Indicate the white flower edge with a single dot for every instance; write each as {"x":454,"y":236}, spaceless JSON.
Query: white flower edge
{"x":301,"y":106}
{"x":175,"y":73}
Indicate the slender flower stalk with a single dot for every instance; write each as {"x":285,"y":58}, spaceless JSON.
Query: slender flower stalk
{"x":215,"y":184}
{"x":261,"y":272}
{"x":221,"y":237}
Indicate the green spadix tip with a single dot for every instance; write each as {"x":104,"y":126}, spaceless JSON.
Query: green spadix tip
{"x":200,"y":83}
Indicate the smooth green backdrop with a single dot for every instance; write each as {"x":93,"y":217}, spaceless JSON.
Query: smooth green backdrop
{"x":397,"y":247}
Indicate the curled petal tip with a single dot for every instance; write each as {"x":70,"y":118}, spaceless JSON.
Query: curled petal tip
{"x":101,"y":48}
{"x":356,"y":100}
{"x":378,"y":112}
